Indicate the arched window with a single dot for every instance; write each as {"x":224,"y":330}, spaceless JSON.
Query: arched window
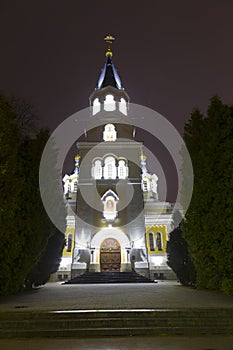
{"x":109,"y":133}
{"x":69,"y":243}
{"x":122,"y":106}
{"x":122,"y":169}
{"x":109,"y":103}
{"x":151,"y":241}
{"x":96,"y":106}
{"x":159,"y":241}
{"x":97,"y":170}
{"x":110,"y":168}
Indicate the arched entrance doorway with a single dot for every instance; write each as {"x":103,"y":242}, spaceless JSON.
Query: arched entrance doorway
{"x":110,"y":255}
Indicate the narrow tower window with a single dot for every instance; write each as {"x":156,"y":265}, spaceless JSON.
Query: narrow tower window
{"x":109,"y":133}
{"x":69,"y":243}
{"x":97,"y":170}
{"x":110,"y":168}
{"x":151,"y":242}
{"x":109,"y":103}
{"x":96,"y":106}
{"x":122,"y":170}
{"x":123,"y":106}
{"x":159,"y":241}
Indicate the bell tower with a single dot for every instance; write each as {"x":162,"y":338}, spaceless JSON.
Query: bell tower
{"x":109,"y":99}
{"x":109,"y":94}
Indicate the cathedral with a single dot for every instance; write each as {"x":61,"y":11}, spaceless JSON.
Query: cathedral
{"x":122,"y":226}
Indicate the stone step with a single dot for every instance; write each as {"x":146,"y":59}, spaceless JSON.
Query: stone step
{"x":78,"y":323}
{"x":101,"y":332}
{"x":109,"y":277}
{"x":117,"y":323}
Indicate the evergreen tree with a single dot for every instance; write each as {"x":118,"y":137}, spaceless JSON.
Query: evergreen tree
{"x":49,"y":261}
{"x":178,"y":255}
{"x":10,"y":185}
{"x":179,"y":258}
{"x":25,"y":228}
{"x":32,"y":221}
{"x":208,"y":226}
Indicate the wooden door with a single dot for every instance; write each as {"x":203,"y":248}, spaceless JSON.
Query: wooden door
{"x":110,"y":255}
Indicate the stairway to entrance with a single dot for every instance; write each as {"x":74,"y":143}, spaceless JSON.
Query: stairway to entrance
{"x":109,"y":277}
{"x":76,"y":323}
{"x":115,"y":309}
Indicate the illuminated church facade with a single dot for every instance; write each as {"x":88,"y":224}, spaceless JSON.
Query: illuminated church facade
{"x":124,"y":226}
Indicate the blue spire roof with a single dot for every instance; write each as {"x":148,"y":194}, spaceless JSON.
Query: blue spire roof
{"x":109,"y":75}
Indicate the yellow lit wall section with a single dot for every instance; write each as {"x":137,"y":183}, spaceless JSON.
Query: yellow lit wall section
{"x":155,"y":229}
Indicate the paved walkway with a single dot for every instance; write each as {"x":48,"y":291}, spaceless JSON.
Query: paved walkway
{"x":213,"y":342}
{"x":161,"y":295}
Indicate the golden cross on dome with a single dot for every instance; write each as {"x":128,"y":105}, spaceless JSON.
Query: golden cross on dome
{"x":109,"y":40}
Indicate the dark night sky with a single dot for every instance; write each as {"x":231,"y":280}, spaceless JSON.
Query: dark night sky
{"x":171,"y":55}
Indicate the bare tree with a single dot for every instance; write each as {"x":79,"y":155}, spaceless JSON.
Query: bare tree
{"x":26,"y":117}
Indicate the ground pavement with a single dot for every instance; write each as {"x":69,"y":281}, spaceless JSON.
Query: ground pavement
{"x":161,"y":295}
{"x":214,"y":342}
{"x":164,"y":294}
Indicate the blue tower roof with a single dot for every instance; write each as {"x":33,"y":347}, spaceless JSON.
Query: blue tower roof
{"x":109,"y":75}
